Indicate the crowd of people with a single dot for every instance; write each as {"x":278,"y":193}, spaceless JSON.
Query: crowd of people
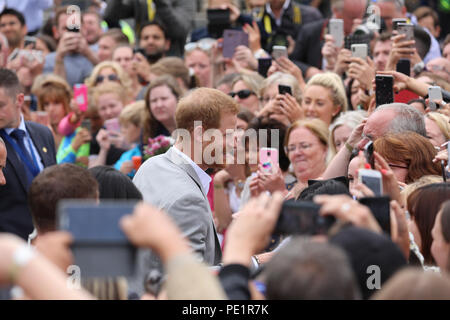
{"x":141,"y":101}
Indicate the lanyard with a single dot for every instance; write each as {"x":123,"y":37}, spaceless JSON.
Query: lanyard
{"x":33,"y":167}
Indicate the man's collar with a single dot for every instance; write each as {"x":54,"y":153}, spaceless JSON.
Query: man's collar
{"x":285,"y":6}
{"x":21,"y":126}
{"x":205,"y":179}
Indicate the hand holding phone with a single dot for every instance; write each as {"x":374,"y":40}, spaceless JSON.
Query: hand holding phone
{"x":372,"y":179}
{"x":231,"y":40}
{"x":268,"y":159}
{"x":279,"y":51}
{"x":384,"y":93}
{"x":434,"y":93}
{"x":80,"y":95}
{"x":336,"y":27}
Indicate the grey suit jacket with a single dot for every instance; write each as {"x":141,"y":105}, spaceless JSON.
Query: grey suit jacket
{"x":170,"y":183}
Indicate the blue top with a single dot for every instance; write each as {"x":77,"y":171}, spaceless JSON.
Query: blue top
{"x":128,"y":156}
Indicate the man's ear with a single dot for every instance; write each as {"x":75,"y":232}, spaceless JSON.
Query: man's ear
{"x":24,"y":31}
{"x":20,"y":98}
{"x":167,"y":45}
{"x":198,"y":133}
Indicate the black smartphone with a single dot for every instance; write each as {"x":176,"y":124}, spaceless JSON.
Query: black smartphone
{"x":384,"y":89}
{"x":381,"y":210}
{"x":368,"y":154}
{"x":282,"y":89}
{"x":86,"y":123}
{"x":73,"y":29}
{"x":264,"y":65}
{"x":30,"y":41}
{"x":100,"y":247}
{"x":302,"y":218}
{"x":218,"y":21}
{"x":404,"y":66}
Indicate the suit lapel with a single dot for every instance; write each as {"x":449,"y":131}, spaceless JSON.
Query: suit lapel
{"x":37,"y":141}
{"x":17,"y":164}
{"x":175,"y":158}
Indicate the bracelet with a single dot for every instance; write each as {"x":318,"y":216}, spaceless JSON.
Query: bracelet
{"x":21,"y":257}
{"x":349,"y":147}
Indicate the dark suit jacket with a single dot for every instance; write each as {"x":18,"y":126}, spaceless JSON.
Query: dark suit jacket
{"x":15,"y":215}
{"x":308,"y":46}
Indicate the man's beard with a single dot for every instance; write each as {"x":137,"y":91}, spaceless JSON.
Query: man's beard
{"x":14,"y":41}
{"x":154,"y":57}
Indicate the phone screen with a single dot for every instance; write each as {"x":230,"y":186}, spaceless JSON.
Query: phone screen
{"x":264,"y":65}
{"x":282,"y":89}
{"x":302,"y":217}
{"x":372,"y":179}
{"x":268,"y":158}
{"x":384,"y":89}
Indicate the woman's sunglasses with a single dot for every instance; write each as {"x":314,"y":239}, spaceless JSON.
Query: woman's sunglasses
{"x":111,"y":77}
{"x":243,"y":94}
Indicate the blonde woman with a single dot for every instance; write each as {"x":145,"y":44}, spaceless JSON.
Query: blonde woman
{"x":438,"y":128}
{"x":342,"y":127}
{"x":324,"y":97}
{"x":245,"y":90}
{"x":109,"y":71}
{"x":285,"y":108}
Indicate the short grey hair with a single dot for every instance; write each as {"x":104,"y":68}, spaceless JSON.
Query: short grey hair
{"x":2,"y":142}
{"x":339,"y":4}
{"x":399,"y":4}
{"x":407,"y":118}
{"x":349,"y":118}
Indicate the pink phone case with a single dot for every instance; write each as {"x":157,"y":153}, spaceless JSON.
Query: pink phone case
{"x":80,"y":96}
{"x":268,"y":158}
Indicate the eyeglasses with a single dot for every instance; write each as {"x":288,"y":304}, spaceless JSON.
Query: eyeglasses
{"x":397,"y":166}
{"x":300,"y":146}
{"x":111,"y":77}
{"x":243,"y":94}
{"x":203,"y":44}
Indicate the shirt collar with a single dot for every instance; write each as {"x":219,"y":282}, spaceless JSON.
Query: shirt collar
{"x":205,"y":179}
{"x":21,"y":127}
{"x":285,"y":6}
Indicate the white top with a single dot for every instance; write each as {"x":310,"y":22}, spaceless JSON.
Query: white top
{"x":278,"y":20}
{"x":205,"y":179}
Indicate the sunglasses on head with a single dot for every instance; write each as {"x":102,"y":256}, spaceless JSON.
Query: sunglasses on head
{"x":111,"y":77}
{"x":243,"y":94}
{"x":203,"y":44}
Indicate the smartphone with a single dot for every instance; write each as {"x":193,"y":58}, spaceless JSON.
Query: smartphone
{"x":336,"y":27}
{"x":218,"y":21}
{"x":404,"y":66}
{"x":279,"y":51}
{"x":302,"y":218}
{"x":368,"y":154}
{"x":231,"y":40}
{"x":86,"y":124}
{"x":372,"y":179}
{"x":407,"y":29}
{"x":264,"y":65}
{"x":434,"y":93}
{"x":30,"y":41}
{"x":268,"y":158}
{"x":381,"y":210}
{"x":359,"y":50}
{"x":282,"y":89}
{"x":75,"y":29}
{"x":14,"y":54}
{"x":112,"y":126}
{"x":396,"y":21}
{"x":384,"y":93}
{"x":80,"y":95}
{"x":100,"y":247}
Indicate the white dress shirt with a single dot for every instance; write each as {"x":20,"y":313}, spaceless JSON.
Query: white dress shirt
{"x":205,"y":179}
